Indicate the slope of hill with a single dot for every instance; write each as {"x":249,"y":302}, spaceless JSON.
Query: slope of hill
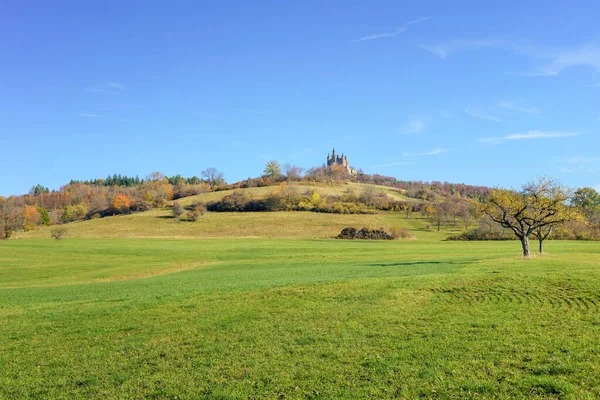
{"x":159,"y":222}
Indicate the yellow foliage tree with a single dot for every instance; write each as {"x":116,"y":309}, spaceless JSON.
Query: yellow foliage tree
{"x":540,"y":205}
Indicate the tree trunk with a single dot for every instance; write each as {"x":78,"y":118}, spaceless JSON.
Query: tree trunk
{"x":525,"y":243}
{"x":541,"y":246}
{"x":439,"y":224}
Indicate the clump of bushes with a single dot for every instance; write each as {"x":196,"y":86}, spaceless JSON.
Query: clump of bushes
{"x":177,"y":210}
{"x":402,"y":233}
{"x":195,"y":211}
{"x":364,"y":233}
{"x":286,"y":198}
{"x":483,"y":233}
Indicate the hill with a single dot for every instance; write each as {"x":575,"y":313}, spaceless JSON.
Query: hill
{"x":159,"y":222}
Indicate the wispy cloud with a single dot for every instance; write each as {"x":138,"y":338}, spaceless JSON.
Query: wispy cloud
{"x":581,"y":164}
{"x":581,"y":159}
{"x":433,"y":152}
{"x":378,"y":36}
{"x":587,"y":55}
{"x":206,"y":115}
{"x":414,"y":126}
{"x":392,"y":164}
{"x":552,"y":61}
{"x":396,"y":32}
{"x":109,"y":88}
{"x":535,"y":134}
{"x":416,"y":21}
{"x":475,"y":113}
{"x":508,"y":105}
{"x":87,"y":115}
{"x":536,"y":74}
{"x":443,"y":50}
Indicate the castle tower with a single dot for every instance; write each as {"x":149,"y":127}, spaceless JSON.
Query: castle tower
{"x":341,"y":160}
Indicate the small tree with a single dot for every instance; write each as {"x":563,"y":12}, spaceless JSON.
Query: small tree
{"x":44,"y":216}
{"x":58,"y":232}
{"x":540,"y":204}
{"x":272,"y":169}
{"x":440,"y":214}
{"x":542,"y":233}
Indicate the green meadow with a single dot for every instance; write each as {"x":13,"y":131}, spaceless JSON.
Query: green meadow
{"x":269,"y":305}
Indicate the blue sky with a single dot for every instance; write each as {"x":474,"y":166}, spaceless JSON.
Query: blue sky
{"x":487,"y":94}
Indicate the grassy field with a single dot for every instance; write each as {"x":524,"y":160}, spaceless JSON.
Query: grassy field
{"x":184,"y":312}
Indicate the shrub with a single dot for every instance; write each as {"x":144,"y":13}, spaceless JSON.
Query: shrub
{"x":58,"y":232}
{"x":178,"y":210}
{"x":196,"y":210}
{"x":234,"y":202}
{"x":483,"y":234}
{"x":401,"y":233}
{"x":364,"y":233}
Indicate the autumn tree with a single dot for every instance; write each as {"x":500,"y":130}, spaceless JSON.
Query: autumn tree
{"x":11,"y":217}
{"x":467,"y":212}
{"x":539,"y":205}
{"x":272,"y":169}
{"x":31,"y":218}
{"x":120,"y":203}
{"x":440,"y":213}
{"x":587,"y":200}
{"x":213,"y":177}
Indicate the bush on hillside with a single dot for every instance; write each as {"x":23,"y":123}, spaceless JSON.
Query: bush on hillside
{"x":402,"y":233}
{"x":483,"y":233}
{"x":195,"y":211}
{"x":364,"y":233}
{"x":177,"y":210}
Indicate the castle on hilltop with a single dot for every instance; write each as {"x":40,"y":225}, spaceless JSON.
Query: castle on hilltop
{"x":341,"y":161}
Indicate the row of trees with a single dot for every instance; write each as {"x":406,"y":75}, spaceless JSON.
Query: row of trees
{"x":210,"y":176}
{"x":97,"y":198}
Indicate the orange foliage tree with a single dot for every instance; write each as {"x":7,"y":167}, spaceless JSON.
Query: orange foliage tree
{"x":31,"y":218}
{"x":120,"y":203}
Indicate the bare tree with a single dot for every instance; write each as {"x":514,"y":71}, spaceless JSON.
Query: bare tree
{"x":292,"y":172}
{"x":58,"y":232}
{"x":213,"y":177}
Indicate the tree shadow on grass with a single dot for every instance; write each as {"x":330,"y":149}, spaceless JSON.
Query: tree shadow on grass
{"x":413,"y":263}
{"x":408,"y":263}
